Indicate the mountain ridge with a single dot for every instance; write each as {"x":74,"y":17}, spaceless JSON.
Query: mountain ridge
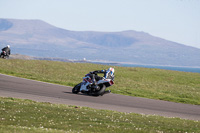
{"x":38,"y":38}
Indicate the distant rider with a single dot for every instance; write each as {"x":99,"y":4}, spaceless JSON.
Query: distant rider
{"x":7,"y":50}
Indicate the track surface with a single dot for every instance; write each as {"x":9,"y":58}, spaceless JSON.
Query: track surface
{"x":44,"y":92}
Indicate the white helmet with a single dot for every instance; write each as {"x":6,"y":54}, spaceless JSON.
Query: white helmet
{"x":110,"y":72}
{"x":8,"y":46}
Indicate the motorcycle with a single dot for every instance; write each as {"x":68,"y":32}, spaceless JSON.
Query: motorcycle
{"x":94,"y":89}
{"x":4,"y":55}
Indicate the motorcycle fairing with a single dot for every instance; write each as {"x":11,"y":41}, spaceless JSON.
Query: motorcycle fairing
{"x":86,"y":81}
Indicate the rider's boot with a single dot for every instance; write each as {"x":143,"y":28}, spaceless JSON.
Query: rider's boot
{"x":108,"y":91}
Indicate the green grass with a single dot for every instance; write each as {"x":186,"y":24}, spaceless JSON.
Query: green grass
{"x":17,"y":115}
{"x":182,"y":87}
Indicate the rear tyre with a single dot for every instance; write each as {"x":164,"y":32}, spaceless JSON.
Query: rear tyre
{"x":76,"y":88}
{"x":101,"y":91}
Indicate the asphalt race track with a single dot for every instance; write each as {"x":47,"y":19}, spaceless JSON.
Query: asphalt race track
{"x":45,"y":92}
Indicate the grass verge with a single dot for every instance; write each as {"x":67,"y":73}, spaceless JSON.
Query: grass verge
{"x":182,"y":87}
{"x":17,"y":115}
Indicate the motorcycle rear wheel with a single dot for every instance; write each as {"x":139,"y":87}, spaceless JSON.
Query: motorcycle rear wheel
{"x":101,"y":91}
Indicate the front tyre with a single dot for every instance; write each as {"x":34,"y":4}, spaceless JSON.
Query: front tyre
{"x":76,"y":88}
{"x":2,"y":56}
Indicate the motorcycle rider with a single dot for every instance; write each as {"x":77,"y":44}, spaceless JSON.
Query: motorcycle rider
{"x":7,"y":50}
{"x":95,"y":78}
{"x":106,"y":73}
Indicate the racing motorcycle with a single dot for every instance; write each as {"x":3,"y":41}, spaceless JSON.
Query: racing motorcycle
{"x":95,"y":89}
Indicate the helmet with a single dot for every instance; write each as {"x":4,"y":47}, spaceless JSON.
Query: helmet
{"x":112,"y":70}
{"x":110,"y":73}
{"x":8,"y":46}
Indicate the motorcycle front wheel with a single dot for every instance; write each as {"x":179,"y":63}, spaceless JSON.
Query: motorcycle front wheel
{"x":76,"y":88}
{"x":2,"y":56}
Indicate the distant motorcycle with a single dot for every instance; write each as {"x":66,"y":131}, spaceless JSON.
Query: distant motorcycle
{"x":4,"y":55}
{"x":97,"y":89}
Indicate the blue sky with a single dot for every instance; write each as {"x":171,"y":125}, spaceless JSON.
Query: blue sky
{"x":175,"y":20}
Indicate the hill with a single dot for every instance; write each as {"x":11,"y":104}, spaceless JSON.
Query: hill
{"x":38,"y":38}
